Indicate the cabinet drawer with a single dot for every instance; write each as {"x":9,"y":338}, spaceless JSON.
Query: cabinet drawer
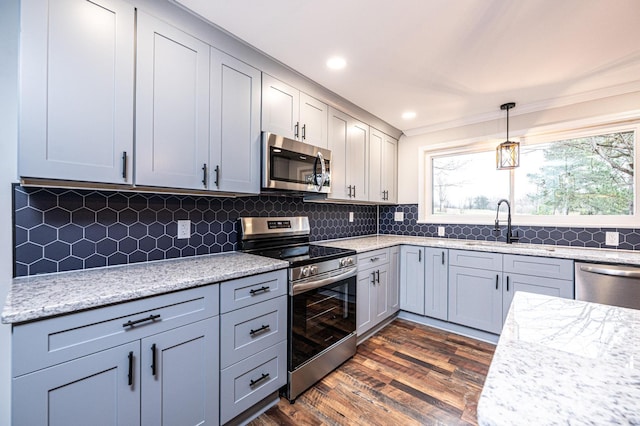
{"x":247,"y":291}
{"x":247,"y":331}
{"x":44,"y":343}
{"x":251,"y":380}
{"x":476,"y":259}
{"x":373,"y":258}
{"x":539,"y":266}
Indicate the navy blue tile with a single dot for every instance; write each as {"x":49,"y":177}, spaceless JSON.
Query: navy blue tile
{"x":28,"y":218}
{"x":95,"y":261}
{"x":70,"y":233}
{"x":70,"y":264}
{"x":95,"y":232}
{"x":43,"y":266}
{"x":29,"y":253}
{"x":43,"y":234}
{"x":70,"y":200}
{"x":83,"y":248}
{"x":57,"y":250}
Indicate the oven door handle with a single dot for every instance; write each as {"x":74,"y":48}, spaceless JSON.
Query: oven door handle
{"x":304,"y":287}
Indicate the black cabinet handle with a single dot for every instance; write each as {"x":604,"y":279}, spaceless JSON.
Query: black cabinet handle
{"x":419,"y":255}
{"x":263,"y":328}
{"x":443,"y":257}
{"x":354,"y":191}
{"x":217,"y":181}
{"x":296,"y":128}
{"x":350,"y":191}
{"x":262,"y":289}
{"x":507,"y":282}
{"x":130,"y":376}
{"x":124,"y":165}
{"x":263,"y":377}
{"x":497,"y":281}
{"x":140,"y":321}
{"x":304,"y":131}
{"x":373,"y":277}
{"x":153,"y":359}
{"x":378,"y":276}
{"x":204,"y":175}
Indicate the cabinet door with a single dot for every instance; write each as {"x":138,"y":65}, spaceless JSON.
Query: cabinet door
{"x":314,"y":121}
{"x":179,"y":373}
{"x":358,"y":160}
{"x":280,"y":107}
{"x":172,"y":106}
{"x":475,"y":298}
{"x":381,"y":288}
{"x":389,"y":169}
{"x":412,"y":279}
{"x":366,"y":302}
{"x":338,"y":137}
{"x":92,"y":390}
{"x":436,"y":283}
{"x":376,"y":140}
{"x":393,"y":285}
{"x":235,"y":125}
{"x":538,"y":285}
{"x":76,"y":94}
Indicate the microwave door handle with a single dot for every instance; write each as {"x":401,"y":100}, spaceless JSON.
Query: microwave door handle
{"x":323,"y":172}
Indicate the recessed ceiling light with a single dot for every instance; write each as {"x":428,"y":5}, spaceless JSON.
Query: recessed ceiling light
{"x":336,"y":63}
{"x":408,"y":115}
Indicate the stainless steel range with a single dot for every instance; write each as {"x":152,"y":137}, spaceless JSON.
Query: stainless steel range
{"x":322,"y":296}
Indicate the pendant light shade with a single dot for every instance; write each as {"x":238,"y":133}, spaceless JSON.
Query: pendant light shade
{"x":508,"y":153}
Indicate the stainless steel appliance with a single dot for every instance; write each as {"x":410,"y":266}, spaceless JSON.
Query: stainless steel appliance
{"x":322,"y":296}
{"x":291,"y":165}
{"x":608,"y":284}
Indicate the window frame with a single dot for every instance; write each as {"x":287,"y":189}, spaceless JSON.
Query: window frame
{"x":425,"y":187}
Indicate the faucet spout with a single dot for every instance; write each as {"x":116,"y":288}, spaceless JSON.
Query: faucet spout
{"x":511,"y":238}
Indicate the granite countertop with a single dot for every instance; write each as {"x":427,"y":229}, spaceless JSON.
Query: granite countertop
{"x":41,"y":296}
{"x":561,"y":362}
{"x":374,"y":242}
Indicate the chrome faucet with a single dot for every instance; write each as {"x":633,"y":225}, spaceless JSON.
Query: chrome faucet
{"x":511,"y":238}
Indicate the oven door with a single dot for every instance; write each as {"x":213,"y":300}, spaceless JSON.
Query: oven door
{"x":292,"y":165}
{"x":321,"y":316}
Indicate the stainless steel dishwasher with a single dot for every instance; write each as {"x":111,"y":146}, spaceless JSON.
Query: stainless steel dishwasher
{"x":608,"y":284}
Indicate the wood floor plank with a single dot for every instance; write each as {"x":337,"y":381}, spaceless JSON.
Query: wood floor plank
{"x":406,"y":374}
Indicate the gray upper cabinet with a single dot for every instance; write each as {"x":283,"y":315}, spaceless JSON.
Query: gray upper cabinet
{"x":77,"y":79}
{"x":383,"y":151}
{"x":412,"y":279}
{"x":172,"y":106}
{"x":349,"y":145}
{"x":234,"y":164}
{"x":288,"y":112}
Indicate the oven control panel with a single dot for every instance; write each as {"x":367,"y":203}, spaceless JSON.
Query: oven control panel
{"x":308,"y":271}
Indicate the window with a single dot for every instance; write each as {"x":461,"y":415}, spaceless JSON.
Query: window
{"x":563,"y":179}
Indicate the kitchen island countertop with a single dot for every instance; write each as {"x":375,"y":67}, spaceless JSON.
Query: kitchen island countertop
{"x":561,"y":362}
{"x":41,"y":296}
{"x":586,"y":254}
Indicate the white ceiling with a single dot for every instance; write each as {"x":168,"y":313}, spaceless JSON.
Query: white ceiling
{"x":451,"y":62}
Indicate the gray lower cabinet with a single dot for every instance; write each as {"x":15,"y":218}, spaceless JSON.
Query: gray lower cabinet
{"x":253,"y":342}
{"x":475,"y":298}
{"x":436,"y":277}
{"x":393,"y":284}
{"x":482,"y":284}
{"x":92,"y":390}
{"x":374,"y":284}
{"x":412,"y":279}
{"x":153,"y":361}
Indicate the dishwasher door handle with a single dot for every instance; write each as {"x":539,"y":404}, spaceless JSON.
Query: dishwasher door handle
{"x":602,"y":270}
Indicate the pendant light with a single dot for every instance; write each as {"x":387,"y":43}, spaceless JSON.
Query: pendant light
{"x":508,"y":153}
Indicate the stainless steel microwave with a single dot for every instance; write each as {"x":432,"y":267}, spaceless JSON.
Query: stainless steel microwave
{"x":288,"y":164}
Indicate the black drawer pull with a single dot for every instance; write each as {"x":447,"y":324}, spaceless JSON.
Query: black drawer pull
{"x":153,"y":360}
{"x":507,"y":282}
{"x":259,"y":290}
{"x":136,"y":322}
{"x":263,"y":328}
{"x":263,"y":377}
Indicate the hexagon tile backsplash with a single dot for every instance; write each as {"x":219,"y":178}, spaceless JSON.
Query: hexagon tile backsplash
{"x":62,"y":230}
{"x":550,"y":235}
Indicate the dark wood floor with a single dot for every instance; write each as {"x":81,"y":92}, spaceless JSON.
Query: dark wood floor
{"x":407,"y":374}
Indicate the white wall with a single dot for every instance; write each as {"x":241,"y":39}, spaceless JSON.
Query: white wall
{"x":9,"y":22}
{"x":409,"y":147}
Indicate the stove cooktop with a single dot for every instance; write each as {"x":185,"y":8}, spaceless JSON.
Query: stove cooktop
{"x":304,"y":254}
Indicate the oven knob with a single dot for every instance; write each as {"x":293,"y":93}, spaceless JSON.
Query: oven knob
{"x":343,"y":263}
{"x":349,"y":261}
{"x":305,"y":271}
{"x":313,"y":270}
